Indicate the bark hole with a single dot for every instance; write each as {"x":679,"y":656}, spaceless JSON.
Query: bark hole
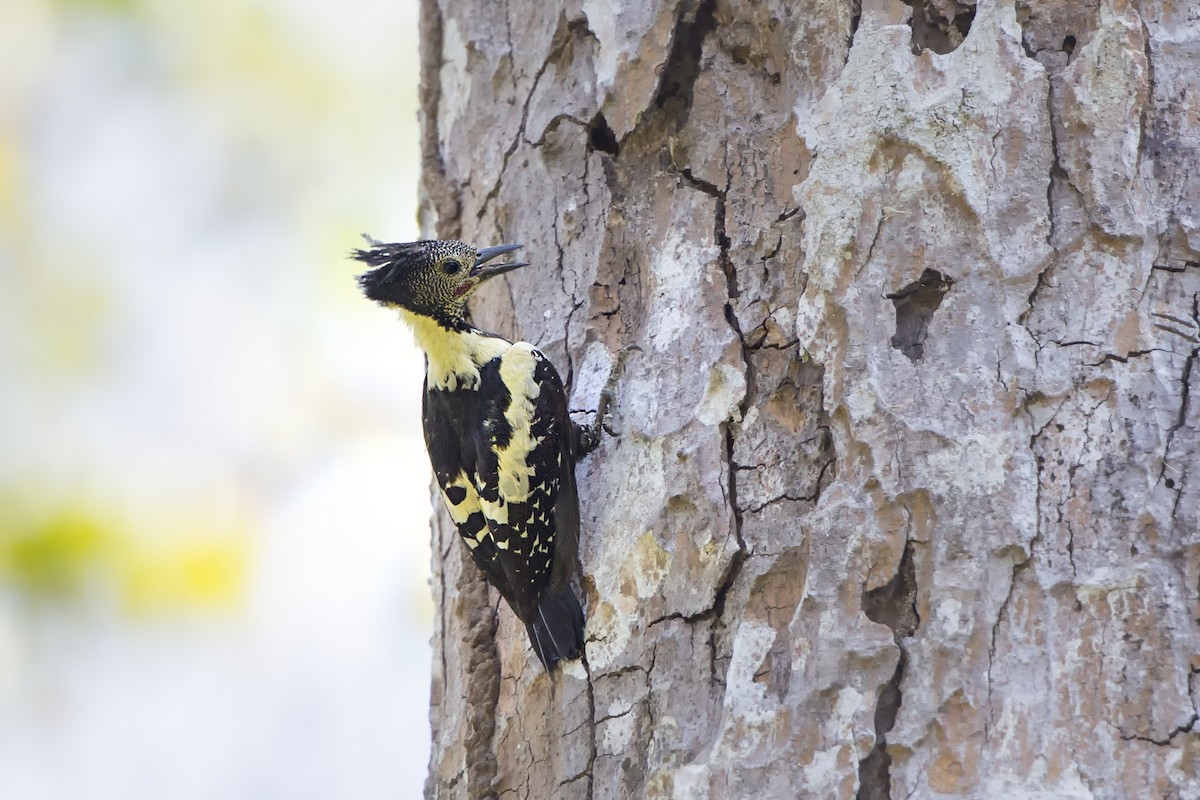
{"x":915,"y":304}
{"x":940,"y":25}
{"x":894,"y":604}
{"x":602,"y":138}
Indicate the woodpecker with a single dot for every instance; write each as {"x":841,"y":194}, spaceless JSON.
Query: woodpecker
{"x":502,"y":446}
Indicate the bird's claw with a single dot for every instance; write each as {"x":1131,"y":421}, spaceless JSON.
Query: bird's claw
{"x":586,"y":440}
{"x":589,"y":436}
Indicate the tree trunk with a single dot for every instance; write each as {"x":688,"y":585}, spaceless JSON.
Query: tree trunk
{"x":904,"y":501}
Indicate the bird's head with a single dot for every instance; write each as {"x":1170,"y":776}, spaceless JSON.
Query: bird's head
{"x":431,"y":278}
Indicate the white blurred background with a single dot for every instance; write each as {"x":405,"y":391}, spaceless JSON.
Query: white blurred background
{"x":213,"y":494}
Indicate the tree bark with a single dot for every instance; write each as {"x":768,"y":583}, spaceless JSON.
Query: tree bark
{"x":905,"y":497}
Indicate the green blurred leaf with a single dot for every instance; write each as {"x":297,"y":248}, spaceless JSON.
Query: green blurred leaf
{"x":53,"y":557}
{"x":114,"y":7}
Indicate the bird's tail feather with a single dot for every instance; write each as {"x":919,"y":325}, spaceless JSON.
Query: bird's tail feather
{"x":557,"y":628}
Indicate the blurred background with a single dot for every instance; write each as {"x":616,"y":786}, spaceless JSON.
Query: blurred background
{"x":213,"y":494}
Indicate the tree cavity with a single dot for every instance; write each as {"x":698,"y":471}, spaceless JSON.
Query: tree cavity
{"x":940,"y":25}
{"x":915,"y":304}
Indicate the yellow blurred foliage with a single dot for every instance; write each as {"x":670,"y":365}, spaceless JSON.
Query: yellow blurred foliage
{"x":198,"y":574}
{"x":59,"y":556}
{"x":9,"y":193}
{"x":67,"y":321}
{"x":54,"y":557}
{"x":107,"y":6}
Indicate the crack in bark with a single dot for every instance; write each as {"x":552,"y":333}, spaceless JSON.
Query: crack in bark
{"x":1056,"y":171}
{"x":447,"y":202}
{"x":569,"y":381}
{"x":1125,"y":358}
{"x":855,"y":21}
{"x":674,"y":94}
{"x":874,"y":770}
{"x":739,"y":558}
{"x":556,"y":50}
{"x":553,"y":125}
{"x":1039,"y":462}
{"x":1012,"y":584}
{"x":624,"y":713}
{"x":483,"y":689}
{"x":812,"y":498}
{"x":651,"y":724}
{"x":716,"y":610}
{"x":1071,"y":470}
{"x":895,"y":605}
{"x":1184,"y":400}
{"x":1023,"y":319}
{"x":591,"y":698}
{"x":1189,"y":335}
{"x":883,"y":217}
{"x":1189,"y":365}
{"x":1185,"y":728}
{"x":512,"y":73}
{"x":442,"y":607}
{"x":1145,"y":113}
{"x":1174,"y":268}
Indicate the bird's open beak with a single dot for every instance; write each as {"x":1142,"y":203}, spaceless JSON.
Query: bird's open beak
{"x":483,"y":255}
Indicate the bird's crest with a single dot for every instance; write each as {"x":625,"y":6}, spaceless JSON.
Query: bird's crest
{"x":381,"y":253}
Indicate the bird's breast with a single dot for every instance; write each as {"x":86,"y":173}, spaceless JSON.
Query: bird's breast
{"x":455,"y":356}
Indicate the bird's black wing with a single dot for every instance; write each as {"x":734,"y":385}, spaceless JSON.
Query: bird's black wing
{"x":566,"y":506}
{"x":518,"y":467}
{"x":527,"y":492}
{"x":452,"y":449}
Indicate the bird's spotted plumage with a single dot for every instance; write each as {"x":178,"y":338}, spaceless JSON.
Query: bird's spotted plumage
{"x":500,"y":441}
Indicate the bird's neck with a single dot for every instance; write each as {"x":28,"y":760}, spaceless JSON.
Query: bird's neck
{"x":455,"y":354}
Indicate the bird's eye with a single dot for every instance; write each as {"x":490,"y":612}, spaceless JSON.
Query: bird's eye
{"x":451,"y":267}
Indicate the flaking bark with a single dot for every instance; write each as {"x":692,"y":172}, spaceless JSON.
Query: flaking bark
{"x":905,"y":498}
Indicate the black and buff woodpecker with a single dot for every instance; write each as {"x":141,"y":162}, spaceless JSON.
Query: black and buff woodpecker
{"x":501,"y":443}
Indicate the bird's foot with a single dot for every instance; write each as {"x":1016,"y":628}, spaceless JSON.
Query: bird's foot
{"x":587,"y":437}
